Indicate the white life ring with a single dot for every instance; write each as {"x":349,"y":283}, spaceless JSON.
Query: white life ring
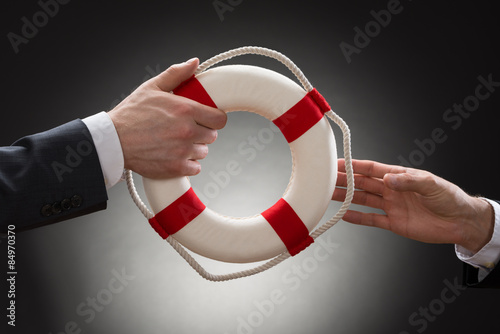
{"x":287,"y":224}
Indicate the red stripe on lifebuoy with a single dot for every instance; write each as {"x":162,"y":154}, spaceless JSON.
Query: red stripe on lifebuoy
{"x":289,"y":227}
{"x":194,"y":90}
{"x":158,"y":228}
{"x":302,"y":116}
{"x":178,"y":214}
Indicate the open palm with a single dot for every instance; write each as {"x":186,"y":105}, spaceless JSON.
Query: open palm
{"x":417,"y":204}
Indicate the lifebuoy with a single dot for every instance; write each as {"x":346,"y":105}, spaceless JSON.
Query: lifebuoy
{"x":286,"y":225}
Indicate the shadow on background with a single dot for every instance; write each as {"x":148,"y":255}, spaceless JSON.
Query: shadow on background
{"x":391,"y":78}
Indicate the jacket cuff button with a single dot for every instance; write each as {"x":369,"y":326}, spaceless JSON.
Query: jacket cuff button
{"x":76,"y":201}
{"x":46,"y":210}
{"x":56,"y":208}
{"x":66,"y":204}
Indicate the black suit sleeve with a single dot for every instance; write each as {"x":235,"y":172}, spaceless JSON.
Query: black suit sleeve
{"x":50,"y":176}
{"x":470,"y":277}
{"x":492,"y":281}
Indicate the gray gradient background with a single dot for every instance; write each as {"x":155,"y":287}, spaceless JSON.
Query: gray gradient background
{"x":90,"y":55}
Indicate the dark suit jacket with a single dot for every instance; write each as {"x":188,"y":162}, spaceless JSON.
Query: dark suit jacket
{"x":49,"y":177}
{"x":491,"y":281}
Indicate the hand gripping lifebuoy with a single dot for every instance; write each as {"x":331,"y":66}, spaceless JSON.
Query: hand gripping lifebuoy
{"x":285,"y":227}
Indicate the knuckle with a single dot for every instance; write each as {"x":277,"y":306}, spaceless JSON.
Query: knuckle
{"x":362,"y":197}
{"x":158,"y":98}
{"x":173,"y":69}
{"x":360,"y":181}
{"x":186,"y":131}
{"x":185,"y":108}
{"x":178,"y":168}
{"x":429,"y":179}
{"x":189,"y":168}
{"x":180,"y":151}
{"x":371,"y":169}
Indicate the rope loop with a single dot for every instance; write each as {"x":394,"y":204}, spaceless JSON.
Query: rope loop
{"x":318,"y":231}
{"x":256,"y":50}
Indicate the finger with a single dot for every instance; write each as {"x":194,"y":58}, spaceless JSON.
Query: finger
{"x":209,"y":117}
{"x":342,"y":179}
{"x":339,"y":194}
{"x":367,"y":219}
{"x":359,"y":197}
{"x":362,"y":182}
{"x":370,"y":168}
{"x":175,"y":75}
{"x":203,"y":135}
{"x":200,"y":151}
{"x":191,"y":167}
{"x":418,"y":181}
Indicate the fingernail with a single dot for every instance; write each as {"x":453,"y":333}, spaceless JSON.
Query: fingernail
{"x":192,"y":60}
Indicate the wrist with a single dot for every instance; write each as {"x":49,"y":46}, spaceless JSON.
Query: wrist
{"x":478,"y":226}
{"x":107,"y":145}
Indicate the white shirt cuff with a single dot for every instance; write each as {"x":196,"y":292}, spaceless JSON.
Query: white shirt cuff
{"x":108,"y":147}
{"x":488,"y":256}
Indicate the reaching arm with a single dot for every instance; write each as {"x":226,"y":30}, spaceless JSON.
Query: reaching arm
{"x":422,"y":206}
{"x":417,"y":205}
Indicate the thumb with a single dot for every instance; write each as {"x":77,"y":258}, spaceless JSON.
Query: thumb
{"x":176,"y":74}
{"x":421,"y":182}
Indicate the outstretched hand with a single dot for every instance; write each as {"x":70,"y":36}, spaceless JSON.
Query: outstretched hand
{"x":417,"y":204}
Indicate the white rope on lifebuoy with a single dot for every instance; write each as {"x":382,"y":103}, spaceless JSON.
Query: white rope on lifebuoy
{"x":226,"y":253}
